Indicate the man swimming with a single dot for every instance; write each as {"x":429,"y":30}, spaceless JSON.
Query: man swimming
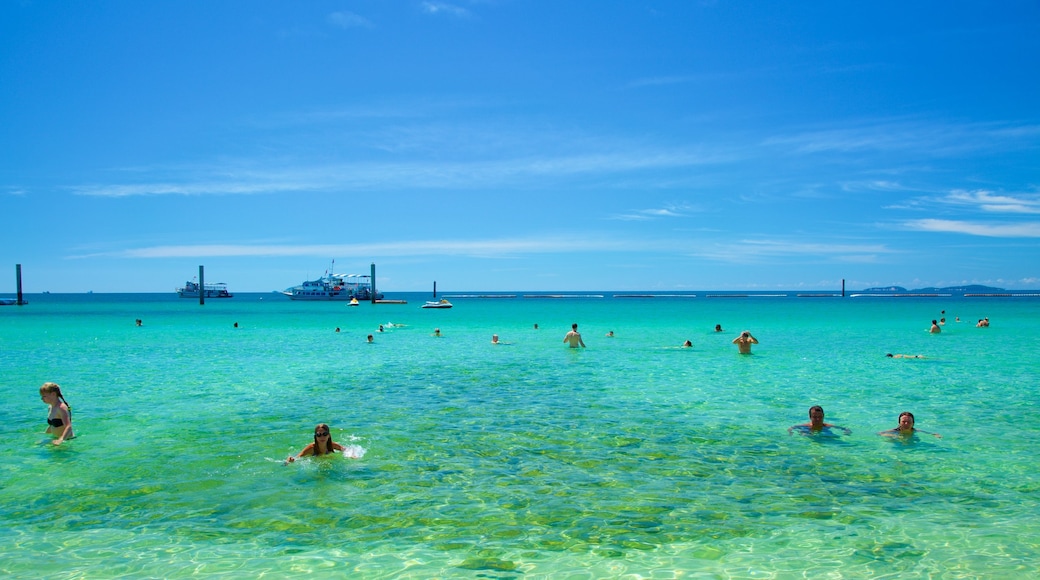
{"x":816,"y":424}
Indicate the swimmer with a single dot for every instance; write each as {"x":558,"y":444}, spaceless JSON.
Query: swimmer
{"x":718,"y":328}
{"x":687,"y":344}
{"x":337,"y":329}
{"x":370,"y":338}
{"x":610,"y":334}
{"x":536,"y":326}
{"x":816,"y":424}
{"x":437,"y":332}
{"x":380,"y":328}
{"x":744,"y":342}
{"x":906,"y":427}
{"x":573,"y":338}
{"x":494,"y":339}
{"x":59,"y":417}
{"x":890,"y":355}
{"x":236,"y":325}
{"x":935,"y":328}
{"x":323,"y":445}
{"x":138,"y":322}
{"x":983,"y":323}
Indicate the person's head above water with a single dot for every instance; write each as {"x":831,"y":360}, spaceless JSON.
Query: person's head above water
{"x":816,"y":415}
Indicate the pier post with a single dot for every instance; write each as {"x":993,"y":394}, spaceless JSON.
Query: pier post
{"x":373,"y":279}
{"x":843,"y":287}
{"x":18,"y":281}
{"x":434,"y":289}
{"x":202,"y":285}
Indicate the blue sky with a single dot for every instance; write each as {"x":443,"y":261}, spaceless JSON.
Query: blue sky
{"x":520,"y":145}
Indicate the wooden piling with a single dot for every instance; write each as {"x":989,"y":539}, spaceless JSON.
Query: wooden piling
{"x":18,"y":280}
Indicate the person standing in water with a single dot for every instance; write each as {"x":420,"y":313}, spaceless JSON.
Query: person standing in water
{"x":573,"y":338}
{"x":744,"y":342}
{"x":59,"y":418}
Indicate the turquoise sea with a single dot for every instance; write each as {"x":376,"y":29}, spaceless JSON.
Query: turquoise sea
{"x":632,"y":458}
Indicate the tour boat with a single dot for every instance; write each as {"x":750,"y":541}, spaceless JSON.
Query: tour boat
{"x":344,"y":287}
{"x":191,"y":290}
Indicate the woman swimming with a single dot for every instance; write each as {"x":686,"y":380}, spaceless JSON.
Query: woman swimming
{"x":906,"y":427}
{"x":323,"y":444}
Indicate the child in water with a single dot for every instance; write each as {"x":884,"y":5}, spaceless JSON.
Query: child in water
{"x":59,"y":418}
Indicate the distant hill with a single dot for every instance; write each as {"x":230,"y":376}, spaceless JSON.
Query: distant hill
{"x":969,"y":289}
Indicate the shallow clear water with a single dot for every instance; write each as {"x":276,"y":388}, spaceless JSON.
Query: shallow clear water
{"x":631,"y":458}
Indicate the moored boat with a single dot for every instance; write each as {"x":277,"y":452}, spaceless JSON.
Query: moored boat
{"x":346,"y":287}
{"x":191,"y":290}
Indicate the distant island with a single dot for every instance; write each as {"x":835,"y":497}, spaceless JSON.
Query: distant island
{"x":969,"y":289}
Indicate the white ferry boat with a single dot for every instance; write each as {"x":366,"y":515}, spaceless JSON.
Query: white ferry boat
{"x":191,"y":290}
{"x":345,"y":287}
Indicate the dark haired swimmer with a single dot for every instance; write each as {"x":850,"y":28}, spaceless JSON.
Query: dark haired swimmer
{"x":323,"y":444}
{"x":573,"y":338}
{"x":890,"y":355}
{"x":744,"y":342}
{"x":816,"y":424}
{"x":906,"y":427}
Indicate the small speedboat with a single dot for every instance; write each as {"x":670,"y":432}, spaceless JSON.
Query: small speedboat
{"x":442,"y":303}
{"x":353,"y":302}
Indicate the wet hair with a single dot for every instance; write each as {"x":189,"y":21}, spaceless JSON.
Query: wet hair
{"x":815,"y":408}
{"x":55,"y":389}
{"x":908,"y":414}
{"x":328,"y":442}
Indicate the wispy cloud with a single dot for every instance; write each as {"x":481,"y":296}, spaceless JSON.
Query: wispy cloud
{"x":1017,"y":230}
{"x":988,"y":201}
{"x":758,"y":251}
{"x":655,"y":213}
{"x":445,"y":8}
{"x":346,"y":20}
{"x":419,"y":174}
{"x":938,"y":139}
{"x":474,"y":248}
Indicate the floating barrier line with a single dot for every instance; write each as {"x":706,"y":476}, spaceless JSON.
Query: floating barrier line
{"x":479,"y":295}
{"x":1010,"y":295}
{"x":872,"y":295}
{"x":655,"y":296}
{"x":563,"y":296}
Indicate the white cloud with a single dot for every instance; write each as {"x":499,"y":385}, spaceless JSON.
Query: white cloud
{"x":650,"y":214}
{"x":478,"y":248}
{"x":346,"y":19}
{"x":755,"y":251}
{"x":418,"y":175}
{"x":1020,"y":230}
{"x":444,"y":8}
{"x":894,"y":135}
{"x":990,"y":202}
